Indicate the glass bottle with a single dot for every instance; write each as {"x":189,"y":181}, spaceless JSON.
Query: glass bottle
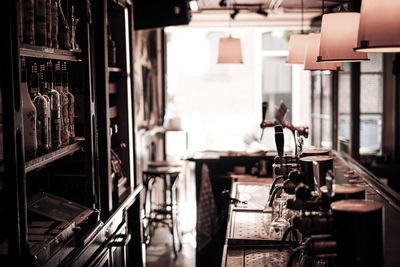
{"x":71,"y":101}
{"x":55,"y":107}
{"x":49,"y":18}
{"x":40,"y":22}
{"x":42,"y":115}
{"x":43,"y":92}
{"x":63,"y":106}
{"x":54,"y":23}
{"x":29,"y":115}
{"x":29,"y":22}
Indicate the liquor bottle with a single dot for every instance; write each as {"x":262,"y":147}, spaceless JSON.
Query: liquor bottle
{"x":54,"y":23}
{"x":71,"y":101}
{"x":29,"y":22}
{"x":64,"y":34}
{"x":63,"y":106}
{"x":29,"y":115}
{"x":43,"y":92}
{"x":49,"y":19}
{"x":40,"y":22}
{"x":112,"y":50}
{"x":42,"y":126}
{"x":55,"y":107}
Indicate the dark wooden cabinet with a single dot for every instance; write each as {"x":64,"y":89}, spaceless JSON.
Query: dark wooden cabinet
{"x":85,"y":171}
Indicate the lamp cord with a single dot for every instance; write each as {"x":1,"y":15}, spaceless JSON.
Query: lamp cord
{"x":302,"y":16}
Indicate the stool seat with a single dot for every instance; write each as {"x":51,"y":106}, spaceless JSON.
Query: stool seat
{"x":162,"y":170}
{"x":155,"y":164}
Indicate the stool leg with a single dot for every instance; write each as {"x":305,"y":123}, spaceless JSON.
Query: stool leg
{"x":175,"y":212}
{"x":147,"y":229}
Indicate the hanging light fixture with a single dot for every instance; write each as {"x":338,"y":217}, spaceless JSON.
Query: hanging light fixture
{"x":338,"y":38}
{"x":230,"y":49}
{"x":379,"y":30}
{"x":312,"y":51}
{"x":298,"y":44}
{"x":297,"y":48}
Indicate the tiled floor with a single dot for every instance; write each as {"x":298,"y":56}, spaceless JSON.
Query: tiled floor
{"x":160,"y":254}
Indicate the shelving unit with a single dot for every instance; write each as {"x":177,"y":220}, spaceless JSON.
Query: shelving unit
{"x":49,"y":53}
{"x":79,"y":172}
{"x":40,"y":161}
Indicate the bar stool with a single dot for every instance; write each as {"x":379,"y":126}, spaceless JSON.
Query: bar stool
{"x":167,"y":212}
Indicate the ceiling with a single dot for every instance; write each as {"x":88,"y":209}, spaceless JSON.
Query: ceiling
{"x":268,"y":4}
{"x":286,"y":13}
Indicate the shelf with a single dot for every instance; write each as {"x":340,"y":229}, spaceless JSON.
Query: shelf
{"x":52,"y":156}
{"x":48,"y":53}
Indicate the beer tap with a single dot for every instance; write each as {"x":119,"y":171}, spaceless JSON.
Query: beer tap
{"x":264,"y":113}
{"x":279,"y":119}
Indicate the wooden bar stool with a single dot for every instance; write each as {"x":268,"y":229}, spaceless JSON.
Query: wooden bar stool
{"x":166,"y":212}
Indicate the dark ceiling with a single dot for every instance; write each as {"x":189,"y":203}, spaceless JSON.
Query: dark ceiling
{"x":267,"y":4}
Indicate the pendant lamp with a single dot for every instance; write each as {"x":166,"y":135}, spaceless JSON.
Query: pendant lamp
{"x":339,"y":37}
{"x":379,"y":30}
{"x":312,"y":51}
{"x":230,"y":51}
{"x":297,"y":48}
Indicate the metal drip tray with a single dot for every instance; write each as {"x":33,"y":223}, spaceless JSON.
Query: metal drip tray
{"x":256,"y":195}
{"x":251,"y":228}
{"x":268,"y":257}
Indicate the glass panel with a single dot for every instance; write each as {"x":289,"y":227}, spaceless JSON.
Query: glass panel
{"x":277,"y":84}
{"x":326,"y":94}
{"x":374,"y":65}
{"x":326,"y":133}
{"x":370,"y":134}
{"x":274,"y":41}
{"x":346,"y":67}
{"x":371,"y":93}
{"x":344,"y":93}
{"x":316,"y":132}
{"x":316,"y":93}
{"x":344,"y":127}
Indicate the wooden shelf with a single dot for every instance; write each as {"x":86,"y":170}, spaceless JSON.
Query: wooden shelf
{"x":48,"y":53}
{"x":52,"y":156}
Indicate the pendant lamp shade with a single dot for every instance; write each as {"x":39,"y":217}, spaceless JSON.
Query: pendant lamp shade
{"x":339,"y":37}
{"x":379,"y":30}
{"x":297,"y":48}
{"x":312,"y":51}
{"x":230,"y":51}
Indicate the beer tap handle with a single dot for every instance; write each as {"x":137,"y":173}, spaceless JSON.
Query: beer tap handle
{"x":279,"y":140}
{"x":264,"y":113}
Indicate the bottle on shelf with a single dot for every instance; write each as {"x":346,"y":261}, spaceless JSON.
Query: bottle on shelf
{"x":43,"y":92}
{"x":112,"y":50}
{"x":29,"y":115}
{"x":54,"y":23}
{"x":42,"y":115}
{"x":64,"y":105}
{"x":64,"y":34}
{"x":55,"y":107}
{"x":40,"y":23}
{"x":29,"y":22}
{"x":49,"y":18}
{"x":71,"y":101}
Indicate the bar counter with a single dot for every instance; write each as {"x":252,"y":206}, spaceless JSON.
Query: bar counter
{"x":247,"y":242}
